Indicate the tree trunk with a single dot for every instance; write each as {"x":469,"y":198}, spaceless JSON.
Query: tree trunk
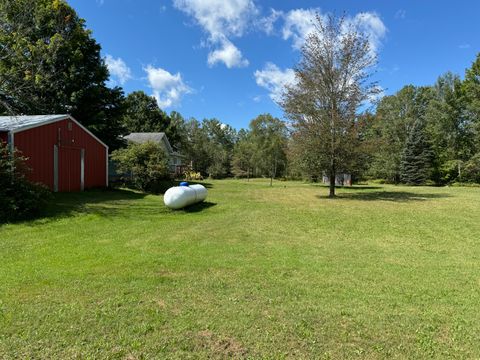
{"x":332,"y":179}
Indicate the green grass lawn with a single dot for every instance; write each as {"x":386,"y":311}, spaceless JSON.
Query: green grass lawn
{"x":255,"y":272}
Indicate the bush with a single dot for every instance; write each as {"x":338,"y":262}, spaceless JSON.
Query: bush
{"x":192,"y":175}
{"x":143,"y":166}
{"x":471,"y":171}
{"x":19,"y":198}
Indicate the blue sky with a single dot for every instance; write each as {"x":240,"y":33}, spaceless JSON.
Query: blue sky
{"x":227,"y":59}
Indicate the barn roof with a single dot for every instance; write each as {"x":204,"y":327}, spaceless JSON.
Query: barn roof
{"x":24,"y":122}
{"x":143,"y":137}
{"x":9,"y":123}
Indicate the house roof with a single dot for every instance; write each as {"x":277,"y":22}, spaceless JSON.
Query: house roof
{"x":9,"y":123}
{"x":23,"y":122}
{"x":143,"y":137}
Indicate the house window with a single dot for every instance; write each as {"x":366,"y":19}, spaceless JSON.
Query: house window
{"x":70,"y":126}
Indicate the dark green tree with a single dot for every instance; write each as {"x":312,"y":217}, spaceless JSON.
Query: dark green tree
{"x":417,"y":156}
{"x":395,"y":117}
{"x":142,"y":114}
{"x":50,"y":63}
{"x":471,"y":89}
{"x":19,"y":198}
{"x":243,"y":155}
{"x":269,"y":138}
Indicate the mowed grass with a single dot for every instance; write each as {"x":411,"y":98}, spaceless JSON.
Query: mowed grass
{"x":255,"y":272}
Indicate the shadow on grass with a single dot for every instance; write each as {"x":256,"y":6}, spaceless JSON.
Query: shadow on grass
{"x":67,"y":204}
{"x":108,"y":204}
{"x":348,"y":188}
{"x":198,"y":207}
{"x":395,"y":196}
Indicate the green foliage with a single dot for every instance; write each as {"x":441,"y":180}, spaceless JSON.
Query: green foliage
{"x":332,"y":81}
{"x":19,"y":198}
{"x":471,"y":171}
{"x":243,"y":161}
{"x":143,"y":165}
{"x":50,"y":64}
{"x":269,"y":138}
{"x":142,"y":114}
{"x":416,"y":157}
{"x":210,"y":147}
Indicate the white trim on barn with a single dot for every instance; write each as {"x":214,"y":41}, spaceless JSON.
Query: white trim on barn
{"x":11,"y":141}
{"x":106,"y":167}
{"x":82,"y":169}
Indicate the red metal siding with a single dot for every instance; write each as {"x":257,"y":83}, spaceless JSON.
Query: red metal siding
{"x":37,"y":144}
{"x":4,"y":136}
{"x":69,"y":167}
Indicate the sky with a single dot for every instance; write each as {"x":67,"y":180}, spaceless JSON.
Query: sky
{"x":229,"y":59}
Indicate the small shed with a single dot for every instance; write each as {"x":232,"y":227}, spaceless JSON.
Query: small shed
{"x":61,"y":153}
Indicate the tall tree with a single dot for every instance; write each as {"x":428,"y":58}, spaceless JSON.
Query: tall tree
{"x":243,"y":155}
{"x":332,"y":82}
{"x":50,"y":63}
{"x":449,"y":129}
{"x":269,"y":137}
{"x":471,"y":88}
{"x":417,"y":156}
{"x":142,"y":114}
{"x":210,"y":147}
{"x":395,"y":117}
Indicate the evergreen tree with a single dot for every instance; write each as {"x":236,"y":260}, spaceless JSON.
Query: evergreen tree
{"x":416,"y":157}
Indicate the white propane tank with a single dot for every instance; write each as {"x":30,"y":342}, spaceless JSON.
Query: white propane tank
{"x":178,"y":197}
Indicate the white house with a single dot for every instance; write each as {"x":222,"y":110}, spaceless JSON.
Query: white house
{"x":176,"y":160}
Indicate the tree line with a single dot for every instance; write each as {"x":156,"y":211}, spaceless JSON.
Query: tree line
{"x":50,"y":63}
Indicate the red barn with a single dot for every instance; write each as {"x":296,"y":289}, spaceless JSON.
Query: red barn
{"x":61,"y":152}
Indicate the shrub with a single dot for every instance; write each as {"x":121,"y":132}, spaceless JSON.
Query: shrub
{"x":471,"y":171}
{"x":143,"y":166}
{"x":192,"y":175}
{"x":19,"y":198}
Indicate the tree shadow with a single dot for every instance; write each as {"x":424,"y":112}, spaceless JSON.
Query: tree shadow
{"x":64,"y":205}
{"x":198,"y":207}
{"x":394,"y":196}
{"x":352,"y":188}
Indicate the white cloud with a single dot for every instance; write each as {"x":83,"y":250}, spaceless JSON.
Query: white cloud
{"x":464,"y":46}
{"x":118,"y":69}
{"x":272,"y":78}
{"x":221,"y":19}
{"x":229,"y":55}
{"x":401,"y":14}
{"x":298,"y":24}
{"x":371,"y":24}
{"x":167,"y":88}
{"x":267,"y":24}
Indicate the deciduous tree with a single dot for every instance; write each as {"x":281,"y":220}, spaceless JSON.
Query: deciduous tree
{"x":332,"y":82}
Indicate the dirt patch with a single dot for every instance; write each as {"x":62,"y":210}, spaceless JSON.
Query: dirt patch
{"x":220,"y":346}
